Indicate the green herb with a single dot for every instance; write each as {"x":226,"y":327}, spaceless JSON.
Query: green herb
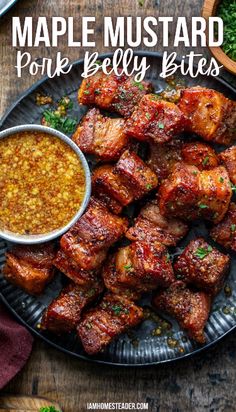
{"x":167,"y":257}
{"x":195,"y":173}
{"x":232,"y":228}
{"x":201,"y":252}
{"x":141,"y":3}
{"x":128,"y":267}
{"x":139,"y":85}
{"x":54,"y":120}
{"x":97,"y":91}
{"x":221,"y":179}
{"x":202,"y":206}
{"x":117,"y":309}
{"x":48,"y":409}
{"x":86,"y":92}
{"x":66,"y":103}
{"x":148,"y":116}
{"x":161,"y":125}
{"x":205,"y":161}
{"x":98,"y":62}
{"x":148,"y":186}
{"x":233,"y":187}
{"x":227,"y":11}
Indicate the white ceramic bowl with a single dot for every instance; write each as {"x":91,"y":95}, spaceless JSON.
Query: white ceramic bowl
{"x":33,"y":239}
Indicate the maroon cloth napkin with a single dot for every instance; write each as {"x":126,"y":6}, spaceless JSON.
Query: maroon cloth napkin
{"x":15,"y":347}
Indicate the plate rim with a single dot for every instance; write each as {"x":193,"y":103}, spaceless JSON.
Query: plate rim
{"x":7,"y":7}
{"x":31,"y":89}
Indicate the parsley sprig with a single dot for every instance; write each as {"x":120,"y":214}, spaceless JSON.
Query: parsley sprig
{"x":202,"y":252}
{"x":227,"y":11}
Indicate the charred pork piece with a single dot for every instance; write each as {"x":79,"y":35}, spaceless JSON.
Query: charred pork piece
{"x":190,"y":308}
{"x":189,"y":193}
{"x":101,"y":136}
{"x":114,"y":93}
{"x":228,"y":158}
{"x":202,"y":266}
{"x":129,"y":180}
{"x":140,"y":266}
{"x":88,"y":241}
{"x":71,"y":269}
{"x":64,"y":312}
{"x":210,"y":114}
{"x":224,"y":232}
{"x":113,"y":316}
{"x":163,"y":157}
{"x":30,"y":267}
{"x":155,"y":120}
{"x":151,"y":226}
{"x":200,"y":155}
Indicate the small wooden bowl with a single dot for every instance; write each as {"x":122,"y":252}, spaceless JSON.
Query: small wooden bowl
{"x":208,"y":10}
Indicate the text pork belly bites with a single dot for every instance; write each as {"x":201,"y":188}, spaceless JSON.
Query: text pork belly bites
{"x":210,"y":114}
{"x":203,"y":266}
{"x":155,"y":120}
{"x":189,"y":307}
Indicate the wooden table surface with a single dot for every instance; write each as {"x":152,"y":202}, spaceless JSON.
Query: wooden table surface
{"x":203,"y":383}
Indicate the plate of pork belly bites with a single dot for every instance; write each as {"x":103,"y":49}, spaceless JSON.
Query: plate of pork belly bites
{"x":147,"y":274}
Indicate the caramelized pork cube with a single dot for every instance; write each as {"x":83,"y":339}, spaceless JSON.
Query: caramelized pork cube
{"x":202,"y":266}
{"x":30,"y":267}
{"x":112,"y":92}
{"x":87,"y":242}
{"x":224,"y":232}
{"x":71,"y":269}
{"x":163,"y":157}
{"x":138,"y":177}
{"x":228,"y":158}
{"x":113,"y":316}
{"x":179,"y":193}
{"x":210,"y":114}
{"x":190,"y":308}
{"x":151,"y":226}
{"x":155,"y":120}
{"x":101,"y":136}
{"x":215,"y":193}
{"x":200,"y":155}
{"x":64,"y":312}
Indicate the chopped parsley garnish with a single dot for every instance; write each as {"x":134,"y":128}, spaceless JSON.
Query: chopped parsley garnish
{"x":161,"y":125}
{"x":86,"y":92}
{"x":141,"y":3}
{"x":232,"y":228}
{"x":139,"y":85}
{"x":195,"y":173}
{"x":221,"y":179}
{"x":227,"y":11}
{"x":205,"y":161}
{"x":97,"y":91}
{"x":58,"y":122}
{"x":202,"y":206}
{"x":149,"y":186}
{"x":148,"y":116}
{"x":233,"y":187}
{"x":48,"y":409}
{"x":128,"y":267}
{"x":201,"y":252}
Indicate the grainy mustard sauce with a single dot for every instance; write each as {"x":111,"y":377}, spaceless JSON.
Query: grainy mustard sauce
{"x":42,"y":183}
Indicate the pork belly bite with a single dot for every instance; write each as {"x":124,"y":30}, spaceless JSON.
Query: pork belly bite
{"x":114,"y":93}
{"x":155,"y":120}
{"x":113,"y":316}
{"x":228,"y":158}
{"x":30,"y":267}
{"x":200,"y":155}
{"x":64,"y":312}
{"x":190,"y":308}
{"x":141,"y":267}
{"x":202,"y":266}
{"x":224,"y":232}
{"x":151,"y":226}
{"x":163,"y":157}
{"x":210,"y":114}
{"x":87,"y":242}
{"x":101,"y":136}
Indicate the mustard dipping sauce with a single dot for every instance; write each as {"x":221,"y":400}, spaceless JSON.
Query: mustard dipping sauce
{"x":42,"y":183}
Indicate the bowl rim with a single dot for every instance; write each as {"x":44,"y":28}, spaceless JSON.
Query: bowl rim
{"x":36,"y":239}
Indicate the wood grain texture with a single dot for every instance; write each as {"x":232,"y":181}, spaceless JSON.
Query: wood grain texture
{"x":204,"y":383}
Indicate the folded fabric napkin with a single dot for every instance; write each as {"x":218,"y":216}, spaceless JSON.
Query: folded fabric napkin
{"x":15,"y":347}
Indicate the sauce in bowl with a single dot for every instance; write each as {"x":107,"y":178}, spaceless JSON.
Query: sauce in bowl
{"x":42,"y":183}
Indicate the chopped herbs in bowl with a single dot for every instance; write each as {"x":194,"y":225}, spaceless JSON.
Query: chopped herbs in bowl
{"x":227,"y":11}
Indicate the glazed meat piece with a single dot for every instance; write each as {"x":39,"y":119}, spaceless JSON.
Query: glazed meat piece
{"x":202,"y":266}
{"x":113,"y":93}
{"x":151,"y":226}
{"x":155,"y":120}
{"x":189,"y":193}
{"x":228,"y":158}
{"x":141,"y":266}
{"x":190,"y":308}
{"x":136,"y":174}
{"x":113,"y":316}
{"x":163,"y":157}
{"x":71,"y":269}
{"x":30,"y":267}
{"x":179,"y":193}
{"x":88,"y":241}
{"x":210,"y":114}
{"x":200,"y":155}
{"x":101,"y":136}
{"x":224,"y":232}
{"x":64,"y":312}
